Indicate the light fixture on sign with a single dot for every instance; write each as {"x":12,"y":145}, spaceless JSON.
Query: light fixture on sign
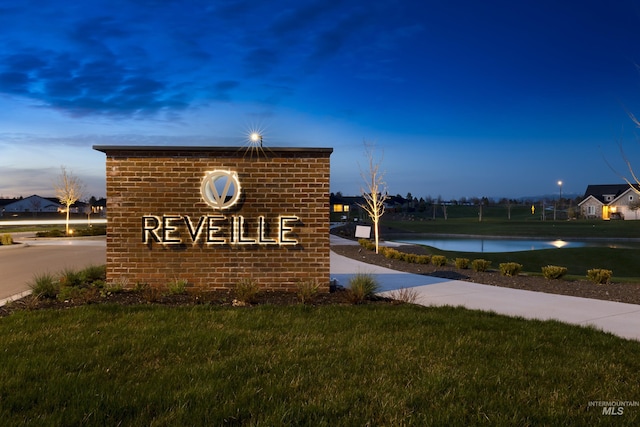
{"x":256,"y":137}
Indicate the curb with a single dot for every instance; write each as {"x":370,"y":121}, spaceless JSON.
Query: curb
{"x":15,"y":245}
{"x":5,"y":301}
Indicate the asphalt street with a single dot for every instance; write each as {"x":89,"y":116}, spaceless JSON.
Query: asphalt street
{"x":20,"y":264}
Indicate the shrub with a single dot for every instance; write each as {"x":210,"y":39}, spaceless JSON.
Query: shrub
{"x":45,"y":285}
{"x":99,"y":284}
{"x":6,"y":239}
{"x":438,"y":260}
{"x":553,"y":272}
{"x":95,"y":230}
{"x":362,"y":286}
{"x":307,"y":290}
{"x":462,"y":263}
{"x":151,"y":294}
{"x":367,"y":244}
{"x":246,"y":291}
{"x":599,"y":276}
{"x":107,"y":289}
{"x":410,"y":258}
{"x":139,"y":287}
{"x":94,"y":273}
{"x":72,"y":278}
{"x":404,"y":295}
{"x":395,"y":254}
{"x":113,"y":288}
{"x":391,"y":253}
{"x":177,"y":287}
{"x":423,"y":259}
{"x":480,"y":265}
{"x":51,"y":233}
{"x":68,"y":293}
{"x":510,"y":268}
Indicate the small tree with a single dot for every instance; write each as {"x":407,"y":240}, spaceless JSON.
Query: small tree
{"x":375,"y":191}
{"x":69,"y":190}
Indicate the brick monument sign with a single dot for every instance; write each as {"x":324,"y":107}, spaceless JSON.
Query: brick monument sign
{"x":213,"y":216}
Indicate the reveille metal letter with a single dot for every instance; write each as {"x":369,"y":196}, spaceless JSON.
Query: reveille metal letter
{"x":150,"y":225}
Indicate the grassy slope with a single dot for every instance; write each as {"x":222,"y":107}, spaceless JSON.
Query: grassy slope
{"x":332,"y":365}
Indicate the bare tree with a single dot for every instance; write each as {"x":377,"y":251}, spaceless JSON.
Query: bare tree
{"x":375,"y":190}
{"x":69,"y":190}
{"x":635,"y":185}
{"x":630,"y":167}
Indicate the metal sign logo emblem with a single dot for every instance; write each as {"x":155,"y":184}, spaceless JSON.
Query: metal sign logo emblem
{"x":221,"y":189}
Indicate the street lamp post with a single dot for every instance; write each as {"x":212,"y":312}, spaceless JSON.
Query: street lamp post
{"x":560,"y":199}
{"x":560,"y":184}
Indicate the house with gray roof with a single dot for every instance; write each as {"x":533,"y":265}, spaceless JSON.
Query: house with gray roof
{"x":34,"y":204}
{"x":611,"y":201}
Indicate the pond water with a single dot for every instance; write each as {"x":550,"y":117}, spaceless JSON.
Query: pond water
{"x":498,"y":245}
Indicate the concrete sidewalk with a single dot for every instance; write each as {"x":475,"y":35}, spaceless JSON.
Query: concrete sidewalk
{"x":617,"y":318}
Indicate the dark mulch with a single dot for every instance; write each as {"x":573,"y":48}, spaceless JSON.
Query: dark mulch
{"x":620,"y":292}
{"x":156,"y":297}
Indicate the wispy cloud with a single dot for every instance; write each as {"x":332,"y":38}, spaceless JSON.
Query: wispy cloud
{"x":135,"y":59}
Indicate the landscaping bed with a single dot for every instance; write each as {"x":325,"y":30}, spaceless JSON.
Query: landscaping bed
{"x":619,"y":292}
{"x":161,"y":297}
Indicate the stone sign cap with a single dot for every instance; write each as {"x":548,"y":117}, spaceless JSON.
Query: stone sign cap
{"x":199,"y":148}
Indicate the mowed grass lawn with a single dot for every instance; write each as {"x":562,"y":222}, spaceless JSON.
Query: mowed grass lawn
{"x":371,"y":364}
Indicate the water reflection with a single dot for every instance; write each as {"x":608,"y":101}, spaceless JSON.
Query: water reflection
{"x":559,"y":243}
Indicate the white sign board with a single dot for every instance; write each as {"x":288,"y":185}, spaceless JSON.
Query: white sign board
{"x":363,"y":231}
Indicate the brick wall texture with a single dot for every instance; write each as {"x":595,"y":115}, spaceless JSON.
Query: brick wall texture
{"x":154,"y":193}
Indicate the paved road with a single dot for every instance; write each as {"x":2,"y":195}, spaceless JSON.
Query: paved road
{"x":19,"y":265}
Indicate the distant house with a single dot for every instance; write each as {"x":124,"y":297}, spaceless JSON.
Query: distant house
{"x":100,"y":207}
{"x":346,"y":206}
{"x":33,"y":204}
{"x":614,"y":201}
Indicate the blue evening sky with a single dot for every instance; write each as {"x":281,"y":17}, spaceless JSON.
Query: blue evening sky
{"x":463,"y":98}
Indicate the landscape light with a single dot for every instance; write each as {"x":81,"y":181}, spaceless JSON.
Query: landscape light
{"x":559,"y":243}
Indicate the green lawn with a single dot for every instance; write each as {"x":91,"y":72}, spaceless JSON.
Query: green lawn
{"x":299,"y":365}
